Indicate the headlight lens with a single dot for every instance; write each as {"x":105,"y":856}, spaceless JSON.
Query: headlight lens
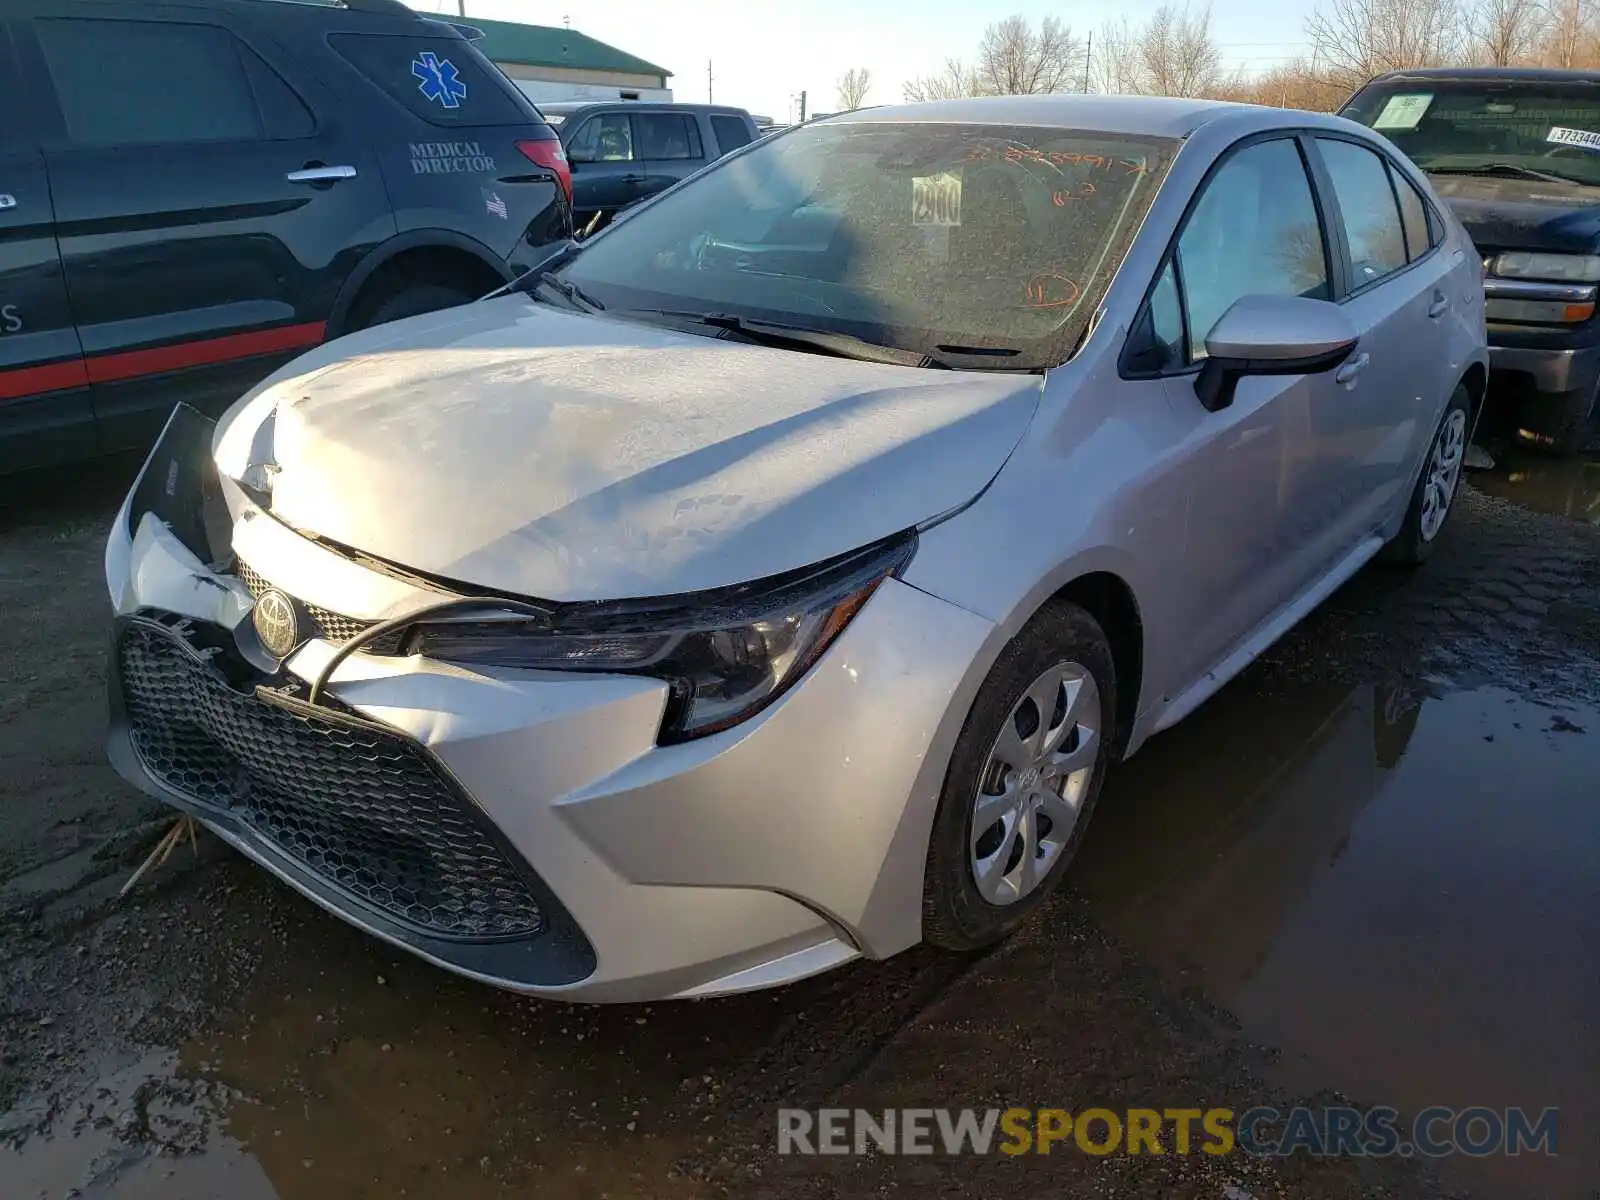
{"x":727,"y":654}
{"x":1564,"y":268}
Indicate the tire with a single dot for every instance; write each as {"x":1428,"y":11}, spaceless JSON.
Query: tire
{"x":1440,"y":478}
{"x":411,"y":301}
{"x":1571,"y":421}
{"x":1065,"y":644}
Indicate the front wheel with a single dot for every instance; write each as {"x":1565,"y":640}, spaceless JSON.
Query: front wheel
{"x":1435,"y":494}
{"x":1023,"y":780}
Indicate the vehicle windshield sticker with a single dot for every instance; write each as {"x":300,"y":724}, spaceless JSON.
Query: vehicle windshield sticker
{"x":1403,"y":112}
{"x":437,"y":79}
{"x":1581,"y":138}
{"x":936,"y":199}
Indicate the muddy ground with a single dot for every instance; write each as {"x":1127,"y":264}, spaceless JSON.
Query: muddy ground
{"x":1368,"y":870}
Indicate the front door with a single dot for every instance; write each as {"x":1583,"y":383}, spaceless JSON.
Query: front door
{"x":45,"y":413}
{"x":1254,"y":231}
{"x":206,"y":217}
{"x":606,"y":171}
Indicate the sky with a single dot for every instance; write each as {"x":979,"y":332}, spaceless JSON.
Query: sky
{"x":763,"y":54}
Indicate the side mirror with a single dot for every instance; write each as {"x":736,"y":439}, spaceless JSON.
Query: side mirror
{"x":1271,"y":335}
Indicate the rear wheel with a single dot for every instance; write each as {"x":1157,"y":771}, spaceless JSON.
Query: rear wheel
{"x":1023,"y":780}
{"x":1435,"y":494}
{"x":411,"y":301}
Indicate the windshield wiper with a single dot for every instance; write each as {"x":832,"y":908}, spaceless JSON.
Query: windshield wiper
{"x":574,"y":294}
{"x":768,"y":333}
{"x":1509,"y":170}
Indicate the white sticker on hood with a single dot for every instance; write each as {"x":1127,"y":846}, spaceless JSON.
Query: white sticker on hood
{"x":936,"y":199}
{"x":1403,"y":112}
{"x":1581,"y":138}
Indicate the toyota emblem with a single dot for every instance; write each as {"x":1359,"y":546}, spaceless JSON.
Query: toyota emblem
{"x":276,"y":624}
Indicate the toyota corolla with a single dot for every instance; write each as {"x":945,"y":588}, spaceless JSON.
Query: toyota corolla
{"x":772,"y":580}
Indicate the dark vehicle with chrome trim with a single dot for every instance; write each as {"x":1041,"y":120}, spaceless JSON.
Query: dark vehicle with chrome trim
{"x":1515,"y":151}
{"x":625,"y":151}
{"x":194,"y":191}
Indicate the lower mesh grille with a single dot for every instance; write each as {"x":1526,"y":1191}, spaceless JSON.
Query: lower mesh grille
{"x":364,"y":809}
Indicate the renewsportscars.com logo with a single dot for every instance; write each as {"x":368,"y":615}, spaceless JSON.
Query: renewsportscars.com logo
{"x":1330,"y":1131}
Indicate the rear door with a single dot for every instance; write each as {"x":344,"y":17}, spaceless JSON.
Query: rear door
{"x":45,"y":412}
{"x":1380,"y":406}
{"x":671,"y":147}
{"x":206,"y":217}
{"x":607,"y":173}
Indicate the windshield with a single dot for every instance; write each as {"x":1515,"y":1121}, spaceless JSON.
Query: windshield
{"x":1553,"y":129}
{"x":923,"y":237}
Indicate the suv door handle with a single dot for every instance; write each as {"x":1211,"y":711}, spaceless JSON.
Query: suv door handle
{"x":317,"y":173}
{"x":1440,"y":303}
{"x":1352,"y":368}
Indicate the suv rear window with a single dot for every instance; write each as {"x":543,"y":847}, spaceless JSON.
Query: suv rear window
{"x":445,"y":81}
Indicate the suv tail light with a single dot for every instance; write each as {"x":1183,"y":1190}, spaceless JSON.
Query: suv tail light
{"x":547,"y":153}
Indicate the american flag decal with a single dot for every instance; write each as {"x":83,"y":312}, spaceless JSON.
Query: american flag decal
{"x":495,"y":205}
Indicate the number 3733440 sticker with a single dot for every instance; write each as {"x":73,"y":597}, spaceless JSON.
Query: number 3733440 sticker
{"x":936,"y":199}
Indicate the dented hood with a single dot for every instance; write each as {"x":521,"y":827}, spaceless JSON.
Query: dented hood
{"x":563,"y":456}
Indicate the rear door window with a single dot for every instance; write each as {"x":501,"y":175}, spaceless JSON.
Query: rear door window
{"x":1368,"y":209}
{"x":442,"y":80}
{"x":125,"y":83}
{"x":731,"y":133}
{"x":667,"y":136}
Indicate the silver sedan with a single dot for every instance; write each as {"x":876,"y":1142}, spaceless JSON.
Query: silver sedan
{"x":772,"y":579}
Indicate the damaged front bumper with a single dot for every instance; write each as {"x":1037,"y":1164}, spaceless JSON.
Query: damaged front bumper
{"x":521,"y":827}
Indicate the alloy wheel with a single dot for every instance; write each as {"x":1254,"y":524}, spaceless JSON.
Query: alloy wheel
{"x":1443,"y":472}
{"x":1031,"y":791}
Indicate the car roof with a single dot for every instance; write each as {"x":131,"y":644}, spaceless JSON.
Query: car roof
{"x":1491,"y":75}
{"x":1156,"y":116}
{"x":569,"y":107}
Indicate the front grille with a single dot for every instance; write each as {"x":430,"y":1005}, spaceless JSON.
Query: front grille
{"x":326,"y":624}
{"x":365,"y":809}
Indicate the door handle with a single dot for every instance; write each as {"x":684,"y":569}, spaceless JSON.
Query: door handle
{"x":312,"y":173}
{"x":1352,"y":368}
{"x":1440,"y":303}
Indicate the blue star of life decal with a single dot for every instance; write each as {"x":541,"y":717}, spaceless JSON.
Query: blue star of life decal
{"x":437,"y":79}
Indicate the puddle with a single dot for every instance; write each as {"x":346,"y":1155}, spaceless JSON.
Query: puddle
{"x":1567,"y":487}
{"x":348,"y":1071}
{"x":1401,"y":894}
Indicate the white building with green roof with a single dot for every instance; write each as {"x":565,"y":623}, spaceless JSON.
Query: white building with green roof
{"x":552,"y":64}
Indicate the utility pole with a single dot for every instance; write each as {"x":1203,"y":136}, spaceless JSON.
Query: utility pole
{"x":802,"y":108}
{"x":708,"y":81}
{"x":461,"y":7}
{"x":1088,"y":57}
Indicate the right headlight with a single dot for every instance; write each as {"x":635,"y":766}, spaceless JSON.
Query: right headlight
{"x":1557,"y":268}
{"x":727,"y":654}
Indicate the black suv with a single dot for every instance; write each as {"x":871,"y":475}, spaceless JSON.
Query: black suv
{"x":1515,"y":151}
{"x":626,"y":151}
{"x":192,"y":193}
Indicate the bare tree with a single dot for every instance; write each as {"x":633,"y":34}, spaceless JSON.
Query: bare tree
{"x":1357,"y":39}
{"x":1177,"y":55}
{"x":956,"y":81}
{"x":1014,"y":59}
{"x":1114,"y":66}
{"x":854,"y":85}
{"x":1569,"y":35}
{"x":1506,"y":32}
